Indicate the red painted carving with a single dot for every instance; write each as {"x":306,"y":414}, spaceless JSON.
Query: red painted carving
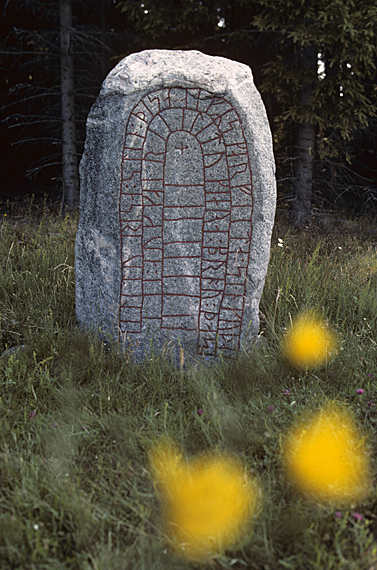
{"x":218,"y":257}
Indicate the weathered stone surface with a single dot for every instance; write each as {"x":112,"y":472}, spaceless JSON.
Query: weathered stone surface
{"x":177,"y":205}
{"x":13,"y":351}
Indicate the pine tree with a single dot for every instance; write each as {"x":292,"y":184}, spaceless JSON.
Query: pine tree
{"x":54,"y":63}
{"x":323,"y":110}
{"x":70,"y":174}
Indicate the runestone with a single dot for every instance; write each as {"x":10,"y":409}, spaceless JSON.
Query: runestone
{"x":177,"y":206}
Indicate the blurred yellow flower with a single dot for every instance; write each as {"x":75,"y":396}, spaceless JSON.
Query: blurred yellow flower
{"x":208,"y":501}
{"x":308,"y":343}
{"x":325,"y":457}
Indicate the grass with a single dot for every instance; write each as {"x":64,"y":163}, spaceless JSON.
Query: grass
{"x":77,"y":421}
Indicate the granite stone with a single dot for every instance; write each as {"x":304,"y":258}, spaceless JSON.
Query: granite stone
{"x":177,"y":205}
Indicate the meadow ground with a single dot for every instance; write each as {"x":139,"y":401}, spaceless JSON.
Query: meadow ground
{"x":77,"y":421}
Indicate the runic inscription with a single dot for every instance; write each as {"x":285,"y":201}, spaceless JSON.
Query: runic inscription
{"x":185,"y":212}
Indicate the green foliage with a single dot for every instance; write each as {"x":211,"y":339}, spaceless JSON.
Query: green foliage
{"x":344,"y":34}
{"x":217,"y":27}
{"x":78,"y":420}
{"x":161,"y":23}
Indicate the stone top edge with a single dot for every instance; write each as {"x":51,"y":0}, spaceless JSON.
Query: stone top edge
{"x":153,"y":56}
{"x":161,"y":68}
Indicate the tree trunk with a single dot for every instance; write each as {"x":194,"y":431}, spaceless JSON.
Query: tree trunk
{"x":103,"y":39}
{"x":302,"y":183}
{"x":69,"y":162}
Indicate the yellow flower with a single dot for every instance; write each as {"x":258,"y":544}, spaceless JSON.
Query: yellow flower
{"x":326,"y":458}
{"x":209,"y":501}
{"x":308,"y":343}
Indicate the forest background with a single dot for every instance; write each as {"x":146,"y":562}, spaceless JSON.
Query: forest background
{"x":313,"y":61}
